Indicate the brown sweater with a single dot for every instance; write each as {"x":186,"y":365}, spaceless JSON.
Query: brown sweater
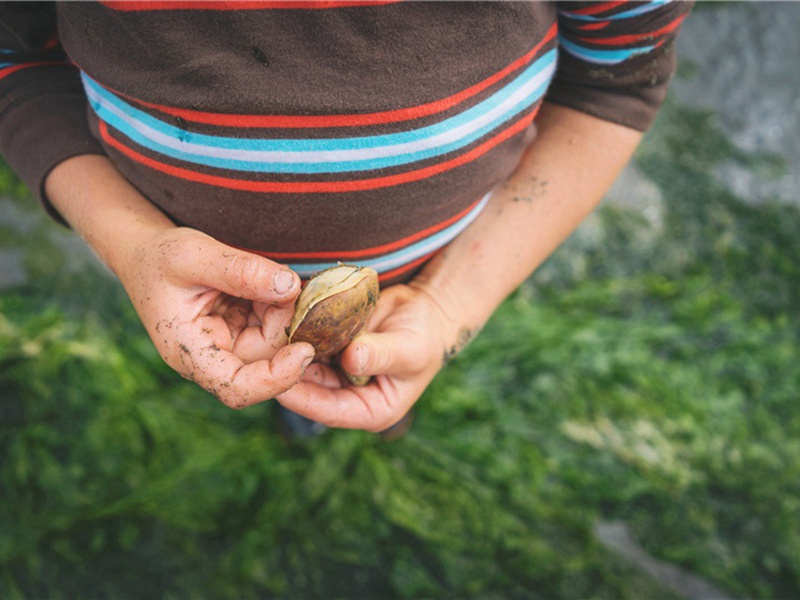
{"x":311,"y":132}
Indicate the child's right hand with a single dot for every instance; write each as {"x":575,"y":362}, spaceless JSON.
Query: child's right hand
{"x":217,"y":315}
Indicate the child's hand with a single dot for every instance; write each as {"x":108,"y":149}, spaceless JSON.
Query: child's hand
{"x":217,"y":315}
{"x":408,"y":339}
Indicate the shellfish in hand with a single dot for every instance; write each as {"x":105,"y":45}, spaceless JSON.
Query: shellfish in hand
{"x":333,"y":309}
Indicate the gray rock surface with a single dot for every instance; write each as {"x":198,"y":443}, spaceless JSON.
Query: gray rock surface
{"x":745,"y":56}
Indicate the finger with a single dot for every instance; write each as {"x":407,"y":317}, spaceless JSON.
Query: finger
{"x":236,"y":316}
{"x":205,"y":261}
{"x":369,"y":407}
{"x":251,"y":345}
{"x":261,"y":340}
{"x":388,"y":301}
{"x":323,"y":375}
{"x":238,"y":385}
{"x":398,"y":353}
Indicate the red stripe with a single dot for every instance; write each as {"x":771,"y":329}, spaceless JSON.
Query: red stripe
{"x":237,"y":5}
{"x":376,"y":250}
{"x":9,"y":70}
{"x":52,"y":42}
{"x":597,"y":7}
{"x":381,"y":276}
{"x":311,"y":187}
{"x":631,"y":39}
{"x":405,"y":268}
{"x":594,"y":26}
{"x":391,"y":116}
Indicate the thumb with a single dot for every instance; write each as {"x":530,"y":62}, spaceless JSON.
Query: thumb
{"x":391,"y":353}
{"x":241,"y":274}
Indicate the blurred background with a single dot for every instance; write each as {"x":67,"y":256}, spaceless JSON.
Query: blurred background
{"x":627,"y":425}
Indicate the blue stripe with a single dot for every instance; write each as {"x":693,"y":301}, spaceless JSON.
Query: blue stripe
{"x":318,"y":167}
{"x":606,"y":57}
{"x":634,"y":12}
{"x":307,"y":145}
{"x":404,"y":256}
{"x":124,"y":118}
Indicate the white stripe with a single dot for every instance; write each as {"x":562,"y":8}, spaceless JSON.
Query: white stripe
{"x":424,"y":146}
{"x":406,"y":255}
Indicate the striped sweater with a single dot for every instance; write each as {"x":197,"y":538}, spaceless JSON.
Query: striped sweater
{"x":316,"y":132}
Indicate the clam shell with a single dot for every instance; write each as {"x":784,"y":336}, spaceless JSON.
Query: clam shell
{"x":333,"y":308}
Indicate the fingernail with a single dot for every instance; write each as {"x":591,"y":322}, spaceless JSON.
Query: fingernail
{"x":283,"y":282}
{"x":306,"y":362}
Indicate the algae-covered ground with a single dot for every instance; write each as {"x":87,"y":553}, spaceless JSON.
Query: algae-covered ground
{"x":648,"y":375}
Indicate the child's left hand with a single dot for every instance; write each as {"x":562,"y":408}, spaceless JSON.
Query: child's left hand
{"x":404,"y":347}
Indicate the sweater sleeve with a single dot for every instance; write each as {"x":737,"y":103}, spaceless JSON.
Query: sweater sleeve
{"x":616,"y":59}
{"x":42,"y":103}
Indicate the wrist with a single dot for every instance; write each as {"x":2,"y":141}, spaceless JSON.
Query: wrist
{"x":112,"y":216}
{"x":462,"y":314}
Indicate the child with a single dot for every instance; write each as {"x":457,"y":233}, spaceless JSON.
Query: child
{"x":211,"y":152}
